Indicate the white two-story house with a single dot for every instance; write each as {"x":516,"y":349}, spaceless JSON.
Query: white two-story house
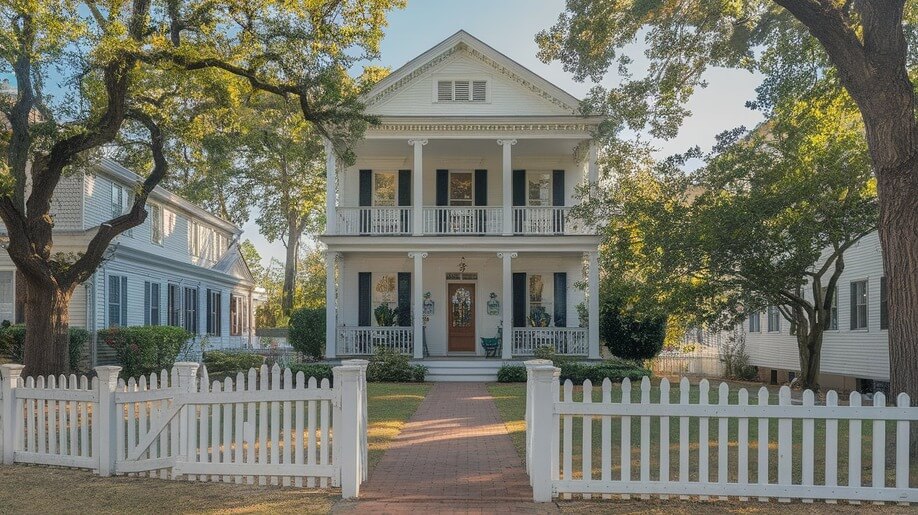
{"x":454,"y":224}
{"x":181,"y":267}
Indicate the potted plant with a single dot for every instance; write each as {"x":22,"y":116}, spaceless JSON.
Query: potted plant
{"x":385,"y":316}
{"x":539,"y":317}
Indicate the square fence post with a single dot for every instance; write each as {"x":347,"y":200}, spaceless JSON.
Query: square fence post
{"x":347,"y":428}
{"x":187,"y":378}
{"x":364,"y":423}
{"x":528,"y":417}
{"x":108,"y":419}
{"x":543,"y":377}
{"x":9,"y":416}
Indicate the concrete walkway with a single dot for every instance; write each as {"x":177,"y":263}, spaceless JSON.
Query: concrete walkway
{"x":453,"y":456}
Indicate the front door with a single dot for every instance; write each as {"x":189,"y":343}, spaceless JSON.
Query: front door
{"x":461,"y":317}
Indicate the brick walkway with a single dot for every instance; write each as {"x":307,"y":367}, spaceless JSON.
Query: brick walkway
{"x":453,"y":456}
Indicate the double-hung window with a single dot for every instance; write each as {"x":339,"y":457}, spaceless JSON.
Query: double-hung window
{"x":774,"y":319}
{"x":191,"y":310}
{"x":538,"y":189}
{"x":214,"y":308}
{"x":238,"y":314}
{"x":833,"y":312}
{"x":460,"y":188}
{"x":151,"y":303}
{"x":156,"y":224}
{"x":859,"y":305}
{"x":117,"y":300}
{"x":385,"y":189}
{"x":174,"y":303}
{"x":755,"y":322}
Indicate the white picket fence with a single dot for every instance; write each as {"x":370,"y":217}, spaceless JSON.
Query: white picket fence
{"x":267,"y":428}
{"x":714,"y":452}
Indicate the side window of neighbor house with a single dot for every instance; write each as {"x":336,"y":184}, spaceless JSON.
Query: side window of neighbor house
{"x":774,"y":319}
{"x":191,"y":310}
{"x":214,"y":312}
{"x":117,"y":300}
{"x":174,"y":305}
{"x":119,"y":200}
{"x":755,"y":322}
{"x":194,"y":239}
{"x":884,"y":307}
{"x":151,"y":303}
{"x":833,"y":312}
{"x":859,"y":305}
{"x":156,"y":224}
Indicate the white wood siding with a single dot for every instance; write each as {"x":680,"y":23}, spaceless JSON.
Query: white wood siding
{"x":67,"y":203}
{"x":859,"y":353}
{"x":506,"y":96}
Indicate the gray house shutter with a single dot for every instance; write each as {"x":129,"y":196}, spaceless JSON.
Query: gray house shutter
{"x":146,"y":303}
{"x":365,"y":198}
{"x":557,"y":199}
{"x":404,"y":196}
{"x":560,"y":299}
{"x":442,"y":198}
{"x":124,"y":321}
{"x":852,"y":316}
{"x":519,"y":198}
{"x":519,"y":299}
{"x":403,"y":313}
{"x":481,"y":198}
{"x":363,"y":299}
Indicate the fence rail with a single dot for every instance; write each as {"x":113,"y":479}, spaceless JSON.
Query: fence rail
{"x":374,"y":220}
{"x":713,"y":443}
{"x":267,"y":426}
{"x":364,"y":341}
{"x":569,"y":341}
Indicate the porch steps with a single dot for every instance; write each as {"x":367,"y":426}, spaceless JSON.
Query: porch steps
{"x":458,"y":370}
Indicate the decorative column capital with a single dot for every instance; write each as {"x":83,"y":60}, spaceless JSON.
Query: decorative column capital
{"x":416,"y":255}
{"x":503,"y":142}
{"x":421,"y":142}
{"x":510,"y":255}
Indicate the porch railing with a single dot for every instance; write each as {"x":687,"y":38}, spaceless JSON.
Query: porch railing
{"x":530,"y":220}
{"x":363,"y":341}
{"x":569,"y":341}
{"x":463,"y":220}
{"x":374,"y":220}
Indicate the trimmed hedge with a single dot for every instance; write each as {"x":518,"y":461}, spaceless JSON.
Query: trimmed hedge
{"x":307,"y":331}
{"x":390,"y":366}
{"x":614,"y":370}
{"x":228,"y":363}
{"x":631,"y":336}
{"x":143,"y":350}
{"x":316,"y":370}
{"x":12,"y":341}
{"x":511,"y":374}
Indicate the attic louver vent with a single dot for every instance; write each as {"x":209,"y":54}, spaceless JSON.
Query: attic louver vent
{"x":462,"y":91}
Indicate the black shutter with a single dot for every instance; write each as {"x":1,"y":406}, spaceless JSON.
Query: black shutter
{"x":557,"y":199}
{"x":481,"y":199}
{"x":404,"y":196}
{"x":442,"y":198}
{"x":519,"y":198}
{"x":853,"y":313}
{"x":365,"y":198}
{"x":363,"y":299}
{"x":208,"y":314}
{"x":403,"y":315}
{"x":560,"y":299}
{"x":146,"y":303}
{"x":519,"y":299}
{"x":124,"y":301}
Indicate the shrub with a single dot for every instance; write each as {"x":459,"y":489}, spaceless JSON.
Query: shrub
{"x":736,"y":361}
{"x":614,"y":370}
{"x":630,"y":336}
{"x":307,"y":331}
{"x":316,"y":370}
{"x":511,"y":374}
{"x":12,"y":341}
{"x":390,"y":366}
{"x":143,"y":350}
{"x":228,"y":363}
{"x":548,"y":352}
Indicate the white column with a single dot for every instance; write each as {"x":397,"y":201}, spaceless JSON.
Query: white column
{"x":542,"y":431}
{"x":417,"y":294}
{"x":593,"y":304}
{"x":108,"y":381}
{"x":350,"y":460}
{"x":592,"y":167}
{"x":331,"y":308}
{"x":10,"y":416}
{"x":331,"y":188}
{"x":507,"y":211}
{"x":507,"y":307}
{"x":417,"y":187}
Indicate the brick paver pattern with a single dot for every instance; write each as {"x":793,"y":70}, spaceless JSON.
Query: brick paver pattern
{"x":454,"y":455}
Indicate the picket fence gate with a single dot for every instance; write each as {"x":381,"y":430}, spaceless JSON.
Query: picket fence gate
{"x":267,"y":428}
{"x":648,"y":461}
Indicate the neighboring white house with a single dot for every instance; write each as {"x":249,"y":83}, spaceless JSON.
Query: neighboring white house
{"x":181,"y":267}
{"x":457,"y":213}
{"x":855,"y":352}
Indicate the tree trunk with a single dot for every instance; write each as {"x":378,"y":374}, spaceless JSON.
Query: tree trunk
{"x":809,"y":346}
{"x":290,"y":266}
{"x":47,"y":339}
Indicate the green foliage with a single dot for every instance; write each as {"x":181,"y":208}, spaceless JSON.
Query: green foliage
{"x":221,"y":363}
{"x":388,"y":365}
{"x":630,"y":336}
{"x":548,"y":352}
{"x":596,"y":373}
{"x":385,"y":316}
{"x":12,"y":341}
{"x":143,"y":350}
{"x":736,"y":361}
{"x":511,"y":374}
{"x":316,"y":370}
{"x":307,"y":331}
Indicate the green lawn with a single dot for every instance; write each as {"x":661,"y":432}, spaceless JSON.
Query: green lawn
{"x":510,"y":400}
{"x":389,"y":406}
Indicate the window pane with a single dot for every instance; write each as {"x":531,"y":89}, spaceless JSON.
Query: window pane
{"x":460,"y":188}
{"x":384,"y":189}
{"x":538,"y":189}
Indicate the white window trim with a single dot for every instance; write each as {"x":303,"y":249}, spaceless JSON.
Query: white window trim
{"x":453,"y":78}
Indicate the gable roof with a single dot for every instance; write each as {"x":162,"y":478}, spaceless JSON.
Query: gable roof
{"x":233,"y":263}
{"x":502,"y":64}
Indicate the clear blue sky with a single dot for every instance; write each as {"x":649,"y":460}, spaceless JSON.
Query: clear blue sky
{"x":510,"y":27}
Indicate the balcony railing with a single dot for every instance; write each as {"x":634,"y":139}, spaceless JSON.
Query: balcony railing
{"x":364,"y":341}
{"x":463,"y":220}
{"x":570,"y":341}
{"x":374,"y":220}
{"x":453,"y":220}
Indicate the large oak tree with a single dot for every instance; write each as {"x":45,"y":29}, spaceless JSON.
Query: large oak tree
{"x":126,"y":65}
{"x":865,"y":47}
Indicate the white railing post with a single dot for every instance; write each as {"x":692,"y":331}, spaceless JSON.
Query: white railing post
{"x":347,"y":427}
{"x":542,"y":409}
{"x":9,"y":416}
{"x":187,"y":377}
{"x":108,"y":419}
{"x":364,"y":423}
{"x":530,"y":364}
